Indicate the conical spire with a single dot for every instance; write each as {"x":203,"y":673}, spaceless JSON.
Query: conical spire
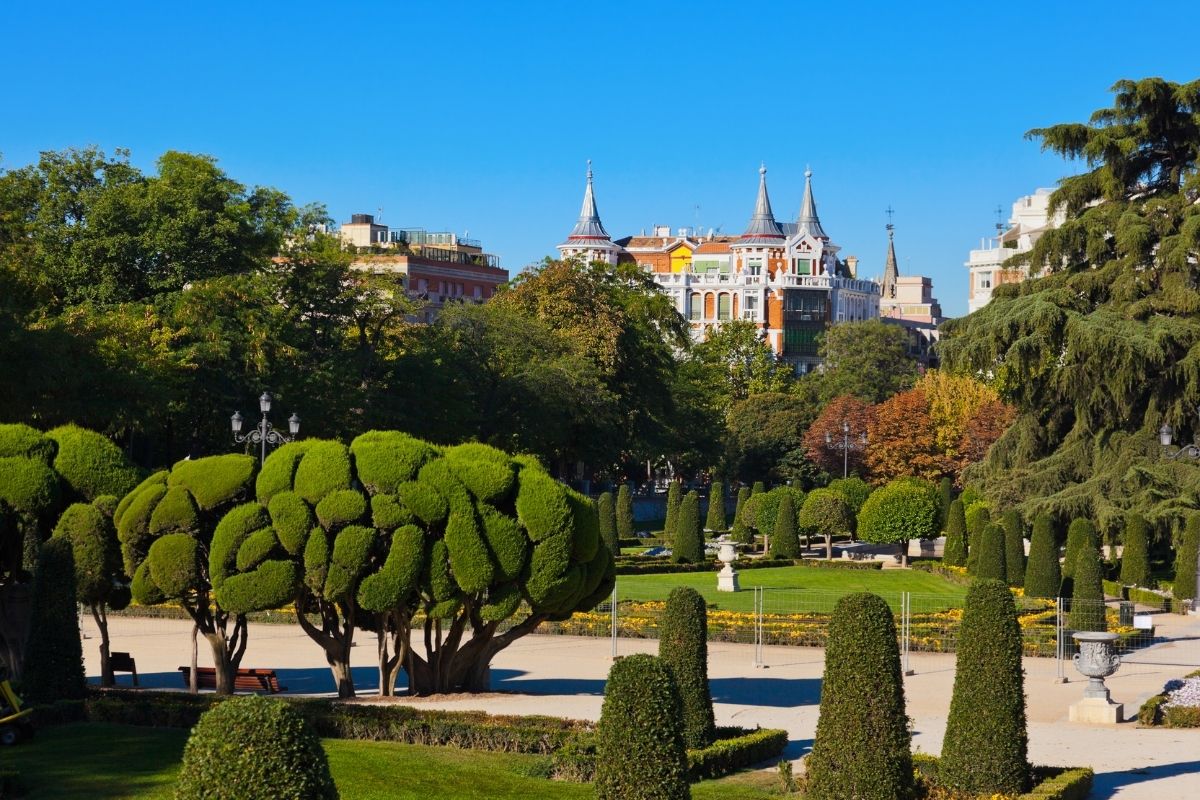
{"x":763,"y":229}
{"x":588,"y":226}
{"x":808,"y":221}
{"x":890,"y":271}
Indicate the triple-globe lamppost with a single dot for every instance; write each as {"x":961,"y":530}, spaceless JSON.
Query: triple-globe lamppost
{"x":264,"y":433}
{"x":1191,"y":451}
{"x":846,"y":445}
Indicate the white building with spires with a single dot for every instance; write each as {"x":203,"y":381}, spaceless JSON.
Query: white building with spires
{"x":786,"y":278}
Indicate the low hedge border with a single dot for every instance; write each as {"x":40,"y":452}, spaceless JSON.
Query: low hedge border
{"x":1136,"y":594}
{"x":1153,"y":713}
{"x":938,"y":568}
{"x":1049,"y":783}
{"x":666,"y":568}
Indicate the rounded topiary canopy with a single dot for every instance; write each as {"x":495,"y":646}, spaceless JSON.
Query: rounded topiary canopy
{"x":1043,"y":576}
{"x":825,"y":511}
{"x":862,"y":744}
{"x":640,"y":749}
{"x":90,"y":464}
{"x":254,"y":748}
{"x":901,"y":511}
{"x":683,"y":645}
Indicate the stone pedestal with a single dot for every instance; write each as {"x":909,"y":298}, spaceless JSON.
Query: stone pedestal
{"x":1096,"y":711}
{"x":727,"y":580}
{"x":1096,"y":660}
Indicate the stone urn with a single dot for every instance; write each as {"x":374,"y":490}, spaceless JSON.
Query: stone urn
{"x":1096,"y":660}
{"x":727,"y":578}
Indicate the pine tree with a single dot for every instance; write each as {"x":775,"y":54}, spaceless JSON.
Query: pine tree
{"x":1185,"y":560}
{"x":674,"y":496}
{"x":716,"y":507}
{"x":862,"y":747}
{"x":978,"y":518}
{"x":1087,"y":595}
{"x":683,"y":646}
{"x":985,"y":750}
{"x":955,"y":552}
{"x":1135,"y":562}
{"x":1014,"y":547}
{"x":624,"y":513}
{"x":990,"y":564}
{"x":54,"y":655}
{"x":784,"y":541}
{"x":607,"y":513}
{"x":946,"y":493}
{"x":1043,"y":577}
{"x":688,"y":547}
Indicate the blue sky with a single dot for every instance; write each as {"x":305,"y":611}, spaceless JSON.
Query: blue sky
{"x":479,"y":117}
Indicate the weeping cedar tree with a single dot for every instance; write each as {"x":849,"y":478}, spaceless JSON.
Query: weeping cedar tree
{"x":607,"y":513}
{"x":985,"y":751}
{"x":1135,"y":558}
{"x":99,"y":575}
{"x":640,"y":751}
{"x":955,"y":553}
{"x":978,"y":518}
{"x":54,"y":652}
{"x":393,"y":532}
{"x":1087,"y":594}
{"x":990,"y":564}
{"x":1014,"y":547}
{"x":1100,"y":350}
{"x":1185,"y":560}
{"x":827,"y":513}
{"x":862,"y":745}
{"x":688,"y":546}
{"x":674,"y":497}
{"x":624,"y":513}
{"x":1042,"y":577}
{"x":1080,"y":534}
{"x":683,"y":646}
{"x":903,"y":510}
{"x":784,"y":541}
{"x":715,"y":521}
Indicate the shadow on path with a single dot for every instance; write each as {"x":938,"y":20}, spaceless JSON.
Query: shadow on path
{"x":305,"y":680}
{"x":773,"y":692}
{"x":1109,"y":784}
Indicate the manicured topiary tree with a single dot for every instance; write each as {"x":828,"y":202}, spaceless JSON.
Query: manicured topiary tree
{"x":985,"y":750}
{"x":688,"y":546}
{"x":945,"y":497}
{"x":683,"y":646}
{"x":826,"y":512}
{"x":990,"y":565}
{"x":741,"y":532}
{"x":1087,"y":594}
{"x":624,"y":512}
{"x":100,"y":581}
{"x":763,"y":509}
{"x":978,"y":518}
{"x":715,"y":521}
{"x":899,"y":512}
{"x":54,"y":652}
{"x":1135,"y":556}
{"x":1080,"y":533}
{"x":862,"y":745}
{"x":674,"y":498}
{"x":743,"y":495}
{"x":1014,"y":547}
{"x":955,"y":552}
{"x":254,"y":748}
{"x":785,"y":543}
{"x":759,"y":488}
{"x":640,"y":751}
{"x":606,"y":511}
{"x":855,"y":491}
{"x":1043,"y":577}
{"x":1185,"y":560}
{"x":90,"y":465}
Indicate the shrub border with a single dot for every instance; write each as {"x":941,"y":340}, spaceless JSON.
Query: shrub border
{"x":758,"y":563}
{"x":1050,"y":783}
{"x":1151,"y":714}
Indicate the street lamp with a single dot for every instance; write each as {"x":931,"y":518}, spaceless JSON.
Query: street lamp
{"x":264,"y":433}
{"x":846,"y":445}
{"x":1166,"y":434}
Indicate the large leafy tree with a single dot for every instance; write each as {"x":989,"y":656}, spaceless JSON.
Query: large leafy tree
{"x":740,"y":363}
{"x":762,"y":431}
{"x":869,"y":360}
{"x":903,"y":440}
{"x":829,"y":455}
{"x":1104,"y":346}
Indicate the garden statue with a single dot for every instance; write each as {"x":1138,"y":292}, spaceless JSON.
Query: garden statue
{"x":1096,"y":660}
{"x":727,"y":578}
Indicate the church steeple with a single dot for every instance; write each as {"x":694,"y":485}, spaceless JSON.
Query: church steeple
{"x":763,"y":229}
{"x":588,"y":226}
{"x":890,"y":270}
{"x":808,"y":221}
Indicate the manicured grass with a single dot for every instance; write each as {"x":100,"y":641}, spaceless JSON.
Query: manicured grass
{"x":117,"y":761}
{"x":888,"y":583}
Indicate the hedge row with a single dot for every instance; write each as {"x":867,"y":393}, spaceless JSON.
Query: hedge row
{"x":734,"y":749}
{"x":1137,"y":595}
{"x":1049,"y":783}
{"x":663,"y":568}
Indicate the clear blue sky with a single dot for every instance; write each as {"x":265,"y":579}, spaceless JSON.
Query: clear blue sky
{"x":479,"y":116}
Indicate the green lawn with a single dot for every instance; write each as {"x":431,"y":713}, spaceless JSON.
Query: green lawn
{"x":116,"y":761}
{"x":889,"y":583}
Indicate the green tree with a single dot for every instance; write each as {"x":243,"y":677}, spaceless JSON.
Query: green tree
{"x":54,"y":645}
{"x":899,"y":512}
{"x":990,"y":565}
{"x":762,"y":431}
{"x":1043,"y":577}
{"x":1135,"y":558}
{"x":862,"y":744}
{"x":759,"y":488}
{"x":854,"y":490}
{"x":674,"y":497}
{"x":687,"y":546}
{"x":784,"y":541}
{"x":1186,"y":558}
{"x":978,"y":518}
{"x":1087,"y":594}
{"x":826,"y":512}
{"x":946,"y":496}
{"x":715,"y":520}
{"x":985,"y":751}
{"x":1014,"y":547}
{"x":741,"y":362}
{"x":640,"y":751}
{"x":1080,"y":534}
{"x":955,"y":553}
{"x":683,"y":646}
{"x":869,"y":360}
{"x":625,"y":525}
{"x":607,"y":514}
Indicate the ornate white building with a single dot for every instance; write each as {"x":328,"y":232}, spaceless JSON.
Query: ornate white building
{"x":1030,"y":219}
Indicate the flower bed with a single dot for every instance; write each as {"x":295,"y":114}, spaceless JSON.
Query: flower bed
{"x":1176,"y":706}
{"x":661,"y":565}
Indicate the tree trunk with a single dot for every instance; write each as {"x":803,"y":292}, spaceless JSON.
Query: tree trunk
{"x":193,"y":681}
{"x":393,"y":648}
{"x":220,"y":652}
{"x":342,"y":677}
{"x":335,"y":636}
{"x":100,"y":614}
{"x":829,"y":547}
{"x":904,"y":553}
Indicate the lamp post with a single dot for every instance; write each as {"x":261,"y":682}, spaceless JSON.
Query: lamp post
{"x":846,"y":445}
{"x":1192,"y":451}
{"x":264,"y":433}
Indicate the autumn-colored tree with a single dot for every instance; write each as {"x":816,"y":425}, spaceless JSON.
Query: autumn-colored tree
{"x":953,"y":400}
{"x":847,"y":408}
{"x":903,"y":440}
{"x":982,"y":430}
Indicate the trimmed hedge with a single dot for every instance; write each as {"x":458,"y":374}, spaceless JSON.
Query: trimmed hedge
{"x":990,"y":563}
{"x":1014,"y":547}
{"x":1043,"y":577}
{"x":1135,"y":557}
{"x":1087,"y":595}
{"x":625,"y":526}
{"x":1080,"y":533}
{"x":655,"y":567}
{"x":1185,"y":560}
{"x":54,"y":654}
{"x":688,"y":541}
{"x":978,"y":518}
{"x":683,"y":647}
{"x":715,"y":520}
{"x":674,"y":499}
{"x":735,"y":749}
{"x":606,"y":511}
{"x":1049,"y":783}
{"x":955,"y":553}
{"x":784,"y":541}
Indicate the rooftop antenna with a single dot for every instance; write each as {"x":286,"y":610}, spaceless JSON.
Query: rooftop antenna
{"x":999,"y":223}
{"x":890,"y":213}
{"x":379,"y":214}
{"x":696,"y":214}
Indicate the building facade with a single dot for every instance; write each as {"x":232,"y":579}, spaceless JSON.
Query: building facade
{"x":908,"y":301}
{"x":1030,"y":219}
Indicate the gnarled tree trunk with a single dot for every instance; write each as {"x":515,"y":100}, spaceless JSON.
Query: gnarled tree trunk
{"x":336,"y":635}
{"x":227,"y":647}
{"x":100,"y":615}
{"x":450,"y":665}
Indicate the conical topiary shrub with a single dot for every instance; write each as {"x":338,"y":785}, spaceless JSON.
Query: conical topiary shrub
{"x":674,"y":498}
{"x":1087,"y":595}
{"x":1135,"y":555}
{"x":688,"y":547}
{"x":759,"y":488}
{"x":990,"y":565}
{"x":624,"y":512}
{"x":1014,"y":547}
{"x":740,"y":532}
{"x":1043,"y":577}
{"x":640,"y":751}
{"x":978,"y":518}
{"x":254,"y":748}
{"x":54,"y":654}
{"x":1081,"y":532}
{"x":715,"y":521}
{"x":945,"y":497}
{"x":784,"y":541}
{"x":683,"y":646}
{"x":955,"y":552}
{"x":862,"y":746}
{"x":1185,"y":560}
{"x":985,"y":750}
{"x":607,"y":512}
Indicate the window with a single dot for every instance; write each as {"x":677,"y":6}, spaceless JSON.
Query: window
{"x":985,"y":280}
{"x":723,"y":307}
{"x":802,"y":266}
{"x":754,"y":265}
{"x":694,"y":306}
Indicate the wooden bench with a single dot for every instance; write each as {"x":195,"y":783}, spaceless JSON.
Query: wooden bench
{"x":263,"y":681}
{"x":123,"y":662}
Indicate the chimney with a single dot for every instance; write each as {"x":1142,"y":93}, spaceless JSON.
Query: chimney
{"x":852,"y":265}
